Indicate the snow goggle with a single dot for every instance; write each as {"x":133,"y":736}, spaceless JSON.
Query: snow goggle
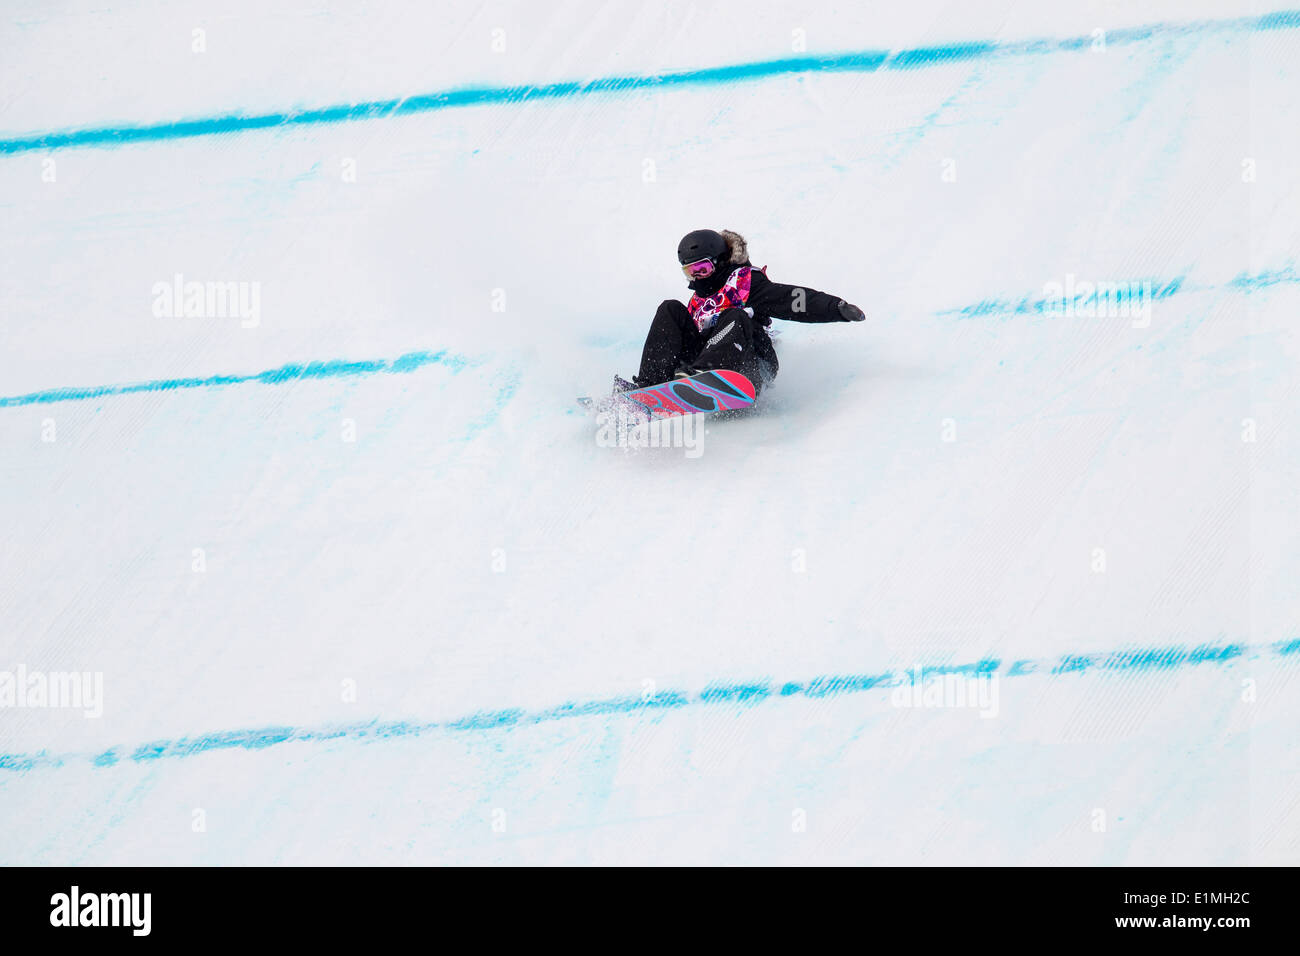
{"x":699,"y":269}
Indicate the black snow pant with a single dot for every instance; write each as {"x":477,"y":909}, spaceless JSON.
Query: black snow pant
{"x":736,"y":341}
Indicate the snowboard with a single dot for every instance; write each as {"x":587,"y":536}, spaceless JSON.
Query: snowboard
{"x":718,"y":391}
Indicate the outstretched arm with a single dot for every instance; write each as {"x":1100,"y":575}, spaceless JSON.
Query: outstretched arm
{"x":772,"y":300}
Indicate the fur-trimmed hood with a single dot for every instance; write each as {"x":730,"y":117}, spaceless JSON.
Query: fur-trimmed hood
{"x":736,"y":247}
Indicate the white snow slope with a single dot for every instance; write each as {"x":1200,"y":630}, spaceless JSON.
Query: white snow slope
{"x":361,"y":584}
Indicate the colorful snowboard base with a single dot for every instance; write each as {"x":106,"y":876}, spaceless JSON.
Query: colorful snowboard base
{"x":718,"y":391}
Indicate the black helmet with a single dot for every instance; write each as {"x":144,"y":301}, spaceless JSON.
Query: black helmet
{"x":702,"y":244}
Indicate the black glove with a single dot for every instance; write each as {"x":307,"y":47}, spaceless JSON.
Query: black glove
{"x":851,"y":313}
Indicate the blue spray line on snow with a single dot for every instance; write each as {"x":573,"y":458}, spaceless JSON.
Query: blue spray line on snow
{"x":285,"y":374}
{"x":864,"y":61}
{"x":1133,"y":294}
{"x":751,"y":693}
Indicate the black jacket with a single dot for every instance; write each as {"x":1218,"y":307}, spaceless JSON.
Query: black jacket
{"x":773,"y":300}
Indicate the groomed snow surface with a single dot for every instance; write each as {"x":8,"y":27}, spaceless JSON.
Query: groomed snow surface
{"x":979,"y":581}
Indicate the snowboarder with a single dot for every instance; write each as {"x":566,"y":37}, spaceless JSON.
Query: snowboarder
{"x":724,"y":326}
